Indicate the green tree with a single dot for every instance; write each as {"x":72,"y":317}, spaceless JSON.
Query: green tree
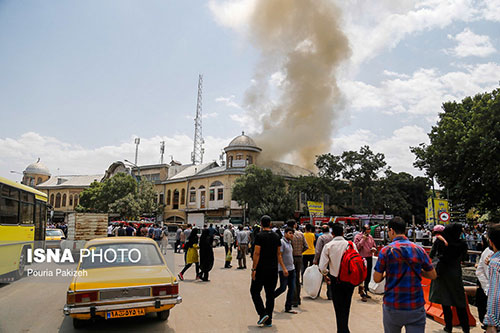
{"x":464,"y":151}
{"x":264,"y":193}
{"x":360,"y":172}
{"x":403,"y":195}
{"x":120,"y":194}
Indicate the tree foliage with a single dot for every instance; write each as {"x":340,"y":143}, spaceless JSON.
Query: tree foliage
{"x":120,"y":194}
{"x":403,"y":195}
{"x":464,"y":151}
{"x":264,"y":193}
{"x":359,"y":172}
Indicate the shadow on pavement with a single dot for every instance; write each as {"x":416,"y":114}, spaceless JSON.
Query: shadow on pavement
{"x":133,"y":324}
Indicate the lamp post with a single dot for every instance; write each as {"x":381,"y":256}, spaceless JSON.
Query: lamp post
{"x":138,"y":169}
{"x":18,"y":173}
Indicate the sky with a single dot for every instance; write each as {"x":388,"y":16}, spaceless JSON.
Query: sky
{"x":79,"y":80}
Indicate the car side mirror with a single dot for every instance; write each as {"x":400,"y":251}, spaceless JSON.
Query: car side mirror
{"x":63,"y":237}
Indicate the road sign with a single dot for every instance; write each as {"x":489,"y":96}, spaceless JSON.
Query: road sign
{"x":444,"y":216}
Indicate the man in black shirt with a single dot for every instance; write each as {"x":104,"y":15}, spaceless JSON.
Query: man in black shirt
{"x":266,"y":257}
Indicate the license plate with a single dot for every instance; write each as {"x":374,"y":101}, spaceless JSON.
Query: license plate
{"x":126,"y":313}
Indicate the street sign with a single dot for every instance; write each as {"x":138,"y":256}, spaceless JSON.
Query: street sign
{"x":444,"y":216}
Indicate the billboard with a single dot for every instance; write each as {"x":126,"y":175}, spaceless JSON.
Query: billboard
{"x":315,"y":208}
{"x":434,"y":213}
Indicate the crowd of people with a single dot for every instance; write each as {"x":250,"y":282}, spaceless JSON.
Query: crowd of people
{"x":282,"y":254}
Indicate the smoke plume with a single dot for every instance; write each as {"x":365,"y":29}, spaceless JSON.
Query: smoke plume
{"x":301,"y":48}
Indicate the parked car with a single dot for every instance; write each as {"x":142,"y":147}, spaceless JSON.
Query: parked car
{"x":123,"y":285}
{"x":53,"y":238}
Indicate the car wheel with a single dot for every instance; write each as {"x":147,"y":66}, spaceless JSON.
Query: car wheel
{"x":78,"y":323}
{"x":163,"y":315}
{"x":22,"y":262}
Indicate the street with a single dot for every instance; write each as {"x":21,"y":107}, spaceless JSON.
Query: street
{"x":221,"y":305}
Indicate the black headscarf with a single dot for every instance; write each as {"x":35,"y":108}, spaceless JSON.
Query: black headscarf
{"x":192,"y":239}
{"x":457,"y":248}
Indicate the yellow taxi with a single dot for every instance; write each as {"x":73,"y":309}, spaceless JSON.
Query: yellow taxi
{"x":121,"y":277}
{"x":53,"y":237}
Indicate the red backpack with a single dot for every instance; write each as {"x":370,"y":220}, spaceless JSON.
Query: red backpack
{"x":352,"y":266}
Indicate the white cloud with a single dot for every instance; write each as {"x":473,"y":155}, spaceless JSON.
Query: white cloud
{"x":394,"y":74}
{"x":228,"y":101}
{"x":470,"y":44}
{"x":374,"y":26}
{"x":233,"y":13}
{"x":66,"y":158}
{"x":209,"y":115}
{"x":395,"y":148}
{"x":423,"y":92}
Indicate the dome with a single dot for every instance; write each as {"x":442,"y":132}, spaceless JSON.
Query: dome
{"x":37,"y":169}
{"x":243,"y":142}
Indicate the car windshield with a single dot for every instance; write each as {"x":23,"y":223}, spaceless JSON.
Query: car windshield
{"x":120,"y":254}
{"x":54,"y":233}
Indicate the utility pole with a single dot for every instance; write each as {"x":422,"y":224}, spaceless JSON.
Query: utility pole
{"x":137,"y":141}
{"x":197,"y":153}
{"x":162,"y":151}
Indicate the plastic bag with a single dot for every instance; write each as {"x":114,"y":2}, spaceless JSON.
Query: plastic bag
{"x":312,"y":281}
{"x":376,"y":288}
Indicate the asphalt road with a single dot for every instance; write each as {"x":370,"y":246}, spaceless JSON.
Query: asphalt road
{"x":33,"y":304}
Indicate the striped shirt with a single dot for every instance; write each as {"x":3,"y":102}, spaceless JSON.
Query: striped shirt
{"x":492,"y":317}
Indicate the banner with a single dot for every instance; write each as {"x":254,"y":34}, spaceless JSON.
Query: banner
{"x":433,"y":213}
{"x":315,"y":208}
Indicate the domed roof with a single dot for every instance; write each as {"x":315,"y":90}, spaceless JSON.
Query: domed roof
{"x":243,"y":142}
{"x":37,"y":169}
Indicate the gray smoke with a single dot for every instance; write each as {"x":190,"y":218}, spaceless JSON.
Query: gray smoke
{"x":300,"y":39}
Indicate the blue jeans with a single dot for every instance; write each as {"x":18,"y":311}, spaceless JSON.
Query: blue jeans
{"x":286,"y":281}
{"x":413,"y":320}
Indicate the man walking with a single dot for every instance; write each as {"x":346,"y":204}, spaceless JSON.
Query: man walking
{"x":266,"y":256}
{"x":287,"y":281}
{"x":242,"y":239}
{"x":492,"y":318}
{"x":299,"y":245}
{"x":228,"y":241}
{"x":366,"y":247}
{"x":177,"y":240}
{"x":329,"y":265}
{"x":325,"y":238}
{"x":404,"y":263}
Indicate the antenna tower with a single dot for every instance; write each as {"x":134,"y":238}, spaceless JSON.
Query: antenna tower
{"x":197,"y":154}
{"x":162,"y":151}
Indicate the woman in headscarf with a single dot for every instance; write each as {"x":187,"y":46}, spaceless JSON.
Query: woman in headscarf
{"x":206,"y":254}
{"x":192,"y":254}
{"x":448,"y":288}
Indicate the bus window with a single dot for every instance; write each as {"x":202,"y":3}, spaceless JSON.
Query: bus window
{"x":27,"y":213}
{"x":40,"y":220}
{"x":9,"y":211}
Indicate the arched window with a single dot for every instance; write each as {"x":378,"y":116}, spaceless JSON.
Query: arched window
{"x":32,"y":181}
{"x":239,"y":156}
{"x":175,"y":201}
{"x":39,"y":180}
{"x":76,"y":200}
{"x":201,"y":187}
{"x":52,"y":200}
{"x":192,"y":194}
{"x":168,"y":197}
{"x":58,"y":200}
{"x":183,"y":196}
{"x":249,"y":159}
{"x":71,"y":200}
{"x":216,"y":183}
{"x":64,"y":200}
{"x":230,"y":163}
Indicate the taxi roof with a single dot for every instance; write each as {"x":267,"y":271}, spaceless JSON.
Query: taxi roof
{"x":120,"y":239}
